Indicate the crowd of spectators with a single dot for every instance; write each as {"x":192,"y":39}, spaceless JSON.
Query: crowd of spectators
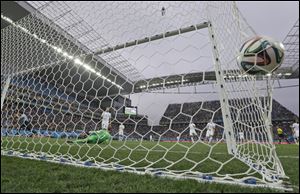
{"x":53,"y":113}
{"x":196,"y":112}
{"x":203,"y":112}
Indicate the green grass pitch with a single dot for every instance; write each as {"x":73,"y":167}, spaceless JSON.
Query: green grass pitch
{"x":22,"y":175}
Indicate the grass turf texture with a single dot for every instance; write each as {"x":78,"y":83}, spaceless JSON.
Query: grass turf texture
{"x":20,"y":175}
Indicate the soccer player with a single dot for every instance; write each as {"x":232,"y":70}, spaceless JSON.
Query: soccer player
{"x":241,"y":136}
{"x":280,"y":134}
{"x":150,"y":137}
{"x":121,"y":132}
{"x":24,"y":122}
{"x":295,"y":127}
{"x":210,"y":131}
{"x":100,"y":136}
{"x":193,"y":133}
{"x":105,"y":119}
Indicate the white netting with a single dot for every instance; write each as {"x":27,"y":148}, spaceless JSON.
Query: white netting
{"x":63,"y":65}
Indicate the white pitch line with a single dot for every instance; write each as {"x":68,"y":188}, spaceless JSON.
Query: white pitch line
{"x":294,"y":157}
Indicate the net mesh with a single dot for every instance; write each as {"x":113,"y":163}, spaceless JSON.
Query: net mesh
{"x":65,"y":63}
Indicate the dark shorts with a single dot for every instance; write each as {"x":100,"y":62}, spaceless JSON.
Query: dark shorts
{"x":26,"y":125}
{"x":281,"y":135}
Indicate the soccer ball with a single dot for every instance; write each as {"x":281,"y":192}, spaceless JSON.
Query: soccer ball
{"x":261,"y":55}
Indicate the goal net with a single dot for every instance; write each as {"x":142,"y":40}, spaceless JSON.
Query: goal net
{"x":180,"y":105}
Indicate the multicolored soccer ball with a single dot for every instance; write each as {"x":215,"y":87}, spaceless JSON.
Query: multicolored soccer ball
{"x":261,"y":55}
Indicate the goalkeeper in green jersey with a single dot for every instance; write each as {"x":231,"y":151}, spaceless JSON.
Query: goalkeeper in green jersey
{"x":100,"y":136}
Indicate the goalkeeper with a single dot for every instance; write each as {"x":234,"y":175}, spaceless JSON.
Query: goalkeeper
{"x":100,"y":136}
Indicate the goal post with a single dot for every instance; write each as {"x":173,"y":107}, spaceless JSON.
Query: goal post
{"x":195,"y":113}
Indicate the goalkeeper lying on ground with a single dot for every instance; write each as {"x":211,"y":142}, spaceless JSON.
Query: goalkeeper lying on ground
{"x":101,"y":135}
{"x":95,"y":137}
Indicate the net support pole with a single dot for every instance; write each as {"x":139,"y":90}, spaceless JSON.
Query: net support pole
{"x":224,"y":102}
{"x":268,"y":120}
{"x":153,"y":38}
{"x":4,"y":91}
{"x":268,"y":107}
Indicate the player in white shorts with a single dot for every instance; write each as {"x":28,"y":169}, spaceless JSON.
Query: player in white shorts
{"x":105,"y":119}
{"x":210,"y":131}
{"x":121,"y":132}
{"x":295,"y":127}
{"x":192,"y":127}
{"x":241,"y":136}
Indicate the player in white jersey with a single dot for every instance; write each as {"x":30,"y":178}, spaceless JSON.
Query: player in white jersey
{"x":105,"y":119}
{"x":295,"y":127}
{"x":24,"y":123}
{"x":241,"y":136}
{"x":192,"y":127}
{"x":210,"y":131}
{"x":150,"y":137}
{"x":121,"y":132}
